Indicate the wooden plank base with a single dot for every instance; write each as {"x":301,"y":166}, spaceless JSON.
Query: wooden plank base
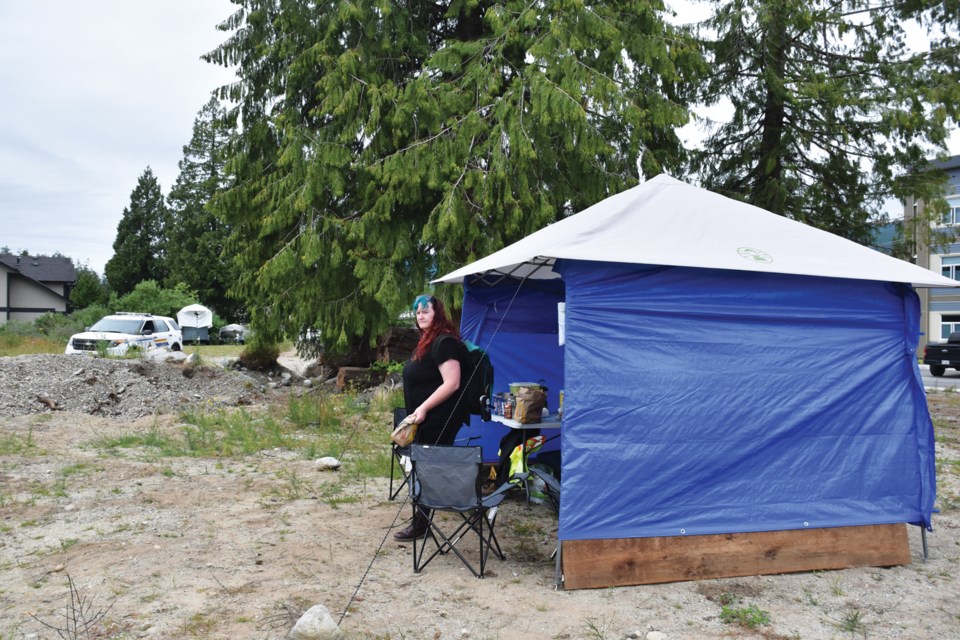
{"x":589,"y":564}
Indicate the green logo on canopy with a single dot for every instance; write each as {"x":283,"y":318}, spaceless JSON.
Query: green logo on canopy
{"x":754,"y":255}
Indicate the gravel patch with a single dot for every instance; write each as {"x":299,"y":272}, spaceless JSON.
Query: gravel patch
{"x":115,"y":388}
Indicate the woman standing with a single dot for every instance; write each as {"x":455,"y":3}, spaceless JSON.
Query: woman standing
{"x":431,"y":381}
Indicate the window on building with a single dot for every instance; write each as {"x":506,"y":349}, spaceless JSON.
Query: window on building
{"x":950,"y":266}
{"x":952,"y":216}
{"x":949,"y":324}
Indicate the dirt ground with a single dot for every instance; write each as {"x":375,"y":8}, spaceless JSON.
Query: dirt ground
{"x":201,"y":548}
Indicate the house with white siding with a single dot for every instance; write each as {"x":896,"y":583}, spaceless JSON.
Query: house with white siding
{"x":32,"y":286}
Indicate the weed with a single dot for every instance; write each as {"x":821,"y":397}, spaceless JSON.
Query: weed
{"x":384,"y":399}
{"x":596,"y":629}
{"x":101,"y":348}
{"x":837,"y":588}
{"x":80,"y":620}
{"x":750,"y":616}
{"x":289,"y":613}
{"x":852,"y":623}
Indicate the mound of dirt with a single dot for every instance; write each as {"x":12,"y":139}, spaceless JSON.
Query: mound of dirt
{"x":114,"y":387}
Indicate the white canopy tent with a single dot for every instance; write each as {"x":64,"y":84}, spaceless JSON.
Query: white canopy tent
{"x":195,"y":320}
{"x":724,"y":370}
{"x":195,"y":315}
{"x":667,"y":222}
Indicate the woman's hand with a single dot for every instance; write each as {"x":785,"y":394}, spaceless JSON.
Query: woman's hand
{"x":419,"y":415}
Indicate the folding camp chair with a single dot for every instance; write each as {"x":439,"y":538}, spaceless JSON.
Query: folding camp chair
{"x":397,"y":456}
{"x":399,"y":453}
{"x":449,"y":479}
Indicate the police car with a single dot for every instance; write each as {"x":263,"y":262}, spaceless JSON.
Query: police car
{"x":116,"y":334}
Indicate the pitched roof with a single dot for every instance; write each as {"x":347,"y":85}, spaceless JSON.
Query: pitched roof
{"x":668,"y":222}
{"x":41,"y":268}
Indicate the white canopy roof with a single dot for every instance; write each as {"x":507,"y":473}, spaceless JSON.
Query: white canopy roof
{"x":195,"y":315}
{"x":668,"y":222}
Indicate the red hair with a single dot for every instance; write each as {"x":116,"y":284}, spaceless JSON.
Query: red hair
{"x":441,"y":325}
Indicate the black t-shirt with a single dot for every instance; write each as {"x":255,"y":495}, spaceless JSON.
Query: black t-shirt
{"x":420,"y":379}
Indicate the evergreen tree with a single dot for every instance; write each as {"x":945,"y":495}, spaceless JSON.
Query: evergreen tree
{"x":194,"y":237}
{"x":832,"y":111}
{"x":137,"y":250}
{"x":88,"y":290}
{"x":384,"y":143}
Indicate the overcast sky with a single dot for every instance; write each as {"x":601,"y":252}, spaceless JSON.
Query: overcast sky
{"x":94,"y":92}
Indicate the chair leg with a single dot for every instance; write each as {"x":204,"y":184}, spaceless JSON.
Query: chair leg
{"x":475,"y":521}
{"x":393,"y":459}
{"x":418,"y":561}
{"x":443,"y":544}
{"x":395,"y":463}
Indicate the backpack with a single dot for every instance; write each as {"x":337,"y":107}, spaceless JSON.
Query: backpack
{"x":476,"y":371}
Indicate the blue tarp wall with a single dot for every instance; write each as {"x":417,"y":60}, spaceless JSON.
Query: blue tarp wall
{"x":703,"y":401}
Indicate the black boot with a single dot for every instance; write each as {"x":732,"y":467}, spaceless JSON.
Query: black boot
{"x":417,"y":528}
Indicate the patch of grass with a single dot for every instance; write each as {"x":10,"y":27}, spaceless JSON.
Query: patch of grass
{"x":13,"y":444}
{"x":12,"y":344}
{"x":314,"y":425}
{"x":67,"y":543}
{"x":750,"y":616}
{"x":236,"y":433}
{"x":162,"y":444}
{"x":948,"y":502}
{"x":525,"y":529}
{"x":199,"y":625}
{"x":293,"y":486}
{"x":216,"y":350}
{"x":335,"y":502}
{"x":80,"y":468}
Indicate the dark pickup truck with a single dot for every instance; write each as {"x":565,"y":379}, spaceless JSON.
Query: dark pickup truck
{"x":943,"y":355}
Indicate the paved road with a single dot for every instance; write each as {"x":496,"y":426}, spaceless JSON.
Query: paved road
{"x":949,"y":380}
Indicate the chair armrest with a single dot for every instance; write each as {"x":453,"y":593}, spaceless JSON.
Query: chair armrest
{"x":547,"y":478}
{"x":497,"y":496}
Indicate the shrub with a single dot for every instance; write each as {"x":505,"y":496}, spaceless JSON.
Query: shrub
{"x":149,"y":297}
{"x":18,"y":328}
{"x":259,"y":356}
